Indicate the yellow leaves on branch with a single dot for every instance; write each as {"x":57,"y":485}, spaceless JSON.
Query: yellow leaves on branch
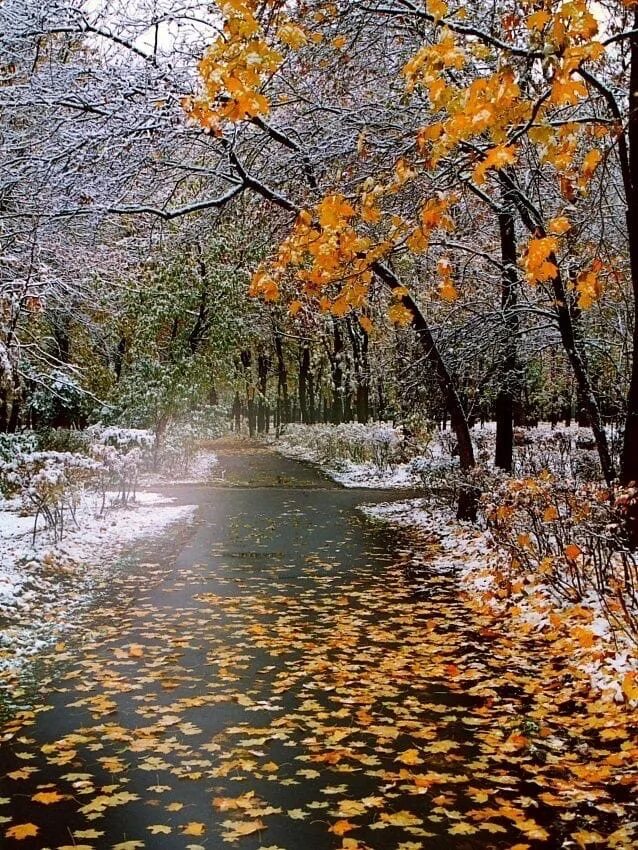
{"x":494,"y":160}
{"x":325,"y":257}
{"x":447,"y":290}
{"x":236,"y":66}
{"x":434,"y":215}
{"x":536,"y":261}
{"x":589,"y":285}
{"x":488,"y":105}
{"x":334,"y":211}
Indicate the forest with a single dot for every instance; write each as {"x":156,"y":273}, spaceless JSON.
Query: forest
{"x":322,"y":313}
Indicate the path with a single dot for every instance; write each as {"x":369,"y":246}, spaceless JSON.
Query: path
{"x":270,"y":679}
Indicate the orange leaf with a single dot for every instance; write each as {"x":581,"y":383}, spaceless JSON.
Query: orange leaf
{"x":22,"y":830}
{"x":48,"y":797}
{"x":194,"y":828}
{"x":340,"y":827}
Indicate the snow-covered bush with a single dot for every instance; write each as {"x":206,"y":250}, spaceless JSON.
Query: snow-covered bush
{"x":48,"y":483}
{"x":124,"y":439}
{"x":385,"y":442}
{"x":12,"y":445}
{"x":184,"y":438}
{"x":122,"y":453}
{"x":379,"y":443}
{"x":572,"y":539}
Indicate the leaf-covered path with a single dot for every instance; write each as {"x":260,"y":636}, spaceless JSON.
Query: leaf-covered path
{"x":269,"y":678}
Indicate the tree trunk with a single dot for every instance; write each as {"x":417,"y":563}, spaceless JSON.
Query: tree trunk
{"x":468,"y":498}
{"x":569,"y":337}
{"x":336,"y":361}
{"x":586,"y":392}
{"x":359,"y":341}
{"x":282,"y":380}
{"x":629,"y":459}
{"x":504,"y":453}
{"x":304,"y":374}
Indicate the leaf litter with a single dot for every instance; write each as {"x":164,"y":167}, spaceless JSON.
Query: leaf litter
{"x":316,"y":700}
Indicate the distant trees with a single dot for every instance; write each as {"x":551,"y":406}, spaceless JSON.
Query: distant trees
{"x":435,"y":202}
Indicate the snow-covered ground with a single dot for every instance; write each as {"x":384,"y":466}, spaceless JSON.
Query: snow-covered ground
{"x":377,"y":455}
{"x":43,"y":582}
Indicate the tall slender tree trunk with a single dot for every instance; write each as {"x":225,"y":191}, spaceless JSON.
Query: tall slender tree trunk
{"x":571,"y":343}
{"x":468,"y":496}
{"x":336,"y":361}
{"x":567,"y":325}
{"x":304,"y":380}
{"x":282,"y":381}
{"x":629,"y":460}
{"x":360,"y":342}
{"x":504,"y":453}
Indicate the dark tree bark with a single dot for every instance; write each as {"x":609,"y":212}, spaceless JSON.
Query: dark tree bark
{"x":468,"y":497}
{"x":236,"y":410}
{"x":283,"y":402}
{"x":504,"y":453}
{"x":263,"y":367}
{"x":569,"y":332}
{"x":304,"y":379}
{"x":336,"y":362}
{"x":359,"y":342}
{"x":629,"y":460}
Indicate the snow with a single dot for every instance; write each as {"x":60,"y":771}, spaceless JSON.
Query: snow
{"x":43,"y":583}
{"x":353,"y":454}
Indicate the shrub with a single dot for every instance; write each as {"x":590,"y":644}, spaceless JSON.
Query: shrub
{"x":572,"y":538}
{"x":49,"y":483}
{"x":121,"y":454}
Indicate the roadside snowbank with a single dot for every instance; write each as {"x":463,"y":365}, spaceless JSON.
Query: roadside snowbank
{"x":43,"y":582}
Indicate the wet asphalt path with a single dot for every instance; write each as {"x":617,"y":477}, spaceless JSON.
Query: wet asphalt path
{"x":268,"y":678}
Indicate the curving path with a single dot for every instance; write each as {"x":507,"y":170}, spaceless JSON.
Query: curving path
{"x":268,"y":679}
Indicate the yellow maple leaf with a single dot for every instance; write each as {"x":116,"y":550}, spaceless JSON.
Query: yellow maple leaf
{"x":333,"y":211}
{"x":292,"y":36}
{"x":194,"y":828}
{"x":462,"y":828}
{"x":159,"y":829}
{"x":495,"y":159}
{"x":409,"y":757}
{"x":48,"y":797}
{"x":238,"y":829}
{"x":537,"y":20}
{"x":402,"y":818}
{"x":22,"y":830}
{"x":536,"y":261}
{"x":559,"y":225}
{"x":630,"y":685}
{"x":400,"y":315}
{"x":437,"y":8}
{"x":340,"y":827}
